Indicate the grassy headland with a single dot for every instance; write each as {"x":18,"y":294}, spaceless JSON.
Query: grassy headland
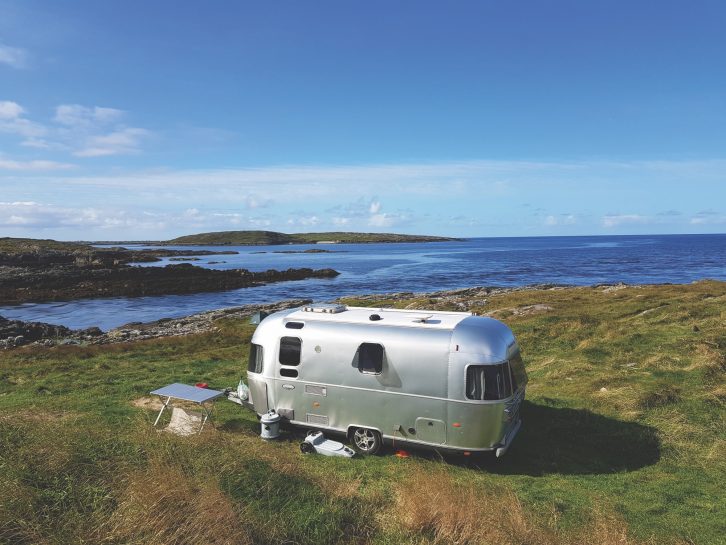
{"x":225,"y":238}
{"x":623,"y":440}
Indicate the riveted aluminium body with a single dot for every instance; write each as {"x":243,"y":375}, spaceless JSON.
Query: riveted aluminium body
{"x":421,"y":392}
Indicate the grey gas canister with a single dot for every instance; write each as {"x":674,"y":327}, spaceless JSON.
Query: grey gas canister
{"x":270,"y":422}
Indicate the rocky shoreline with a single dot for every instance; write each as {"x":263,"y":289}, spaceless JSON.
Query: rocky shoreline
{"x":15,"y":333}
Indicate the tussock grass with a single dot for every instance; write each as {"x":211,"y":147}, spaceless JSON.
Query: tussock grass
{"x":161,"y":504}
{"x":434,"y":508}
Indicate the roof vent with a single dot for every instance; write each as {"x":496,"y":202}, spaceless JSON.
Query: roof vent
{"x":326,"y":308}
{"x":422,"y":319}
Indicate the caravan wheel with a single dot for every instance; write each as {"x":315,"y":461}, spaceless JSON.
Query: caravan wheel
{"x":366,"y":441}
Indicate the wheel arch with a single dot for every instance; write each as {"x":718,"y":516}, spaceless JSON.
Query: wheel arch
{"x":351,"y":427}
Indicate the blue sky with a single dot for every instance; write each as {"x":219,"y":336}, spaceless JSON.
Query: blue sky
{"x":146,"y":120}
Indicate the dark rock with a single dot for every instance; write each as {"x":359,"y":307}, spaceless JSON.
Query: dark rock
{"x":58,"y":283}
{"x":22,"y":332}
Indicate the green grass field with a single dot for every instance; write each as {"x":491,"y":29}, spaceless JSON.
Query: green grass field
{"x":623,"y":441}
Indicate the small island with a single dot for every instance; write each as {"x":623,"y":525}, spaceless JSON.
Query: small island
{"x":266,"y":238}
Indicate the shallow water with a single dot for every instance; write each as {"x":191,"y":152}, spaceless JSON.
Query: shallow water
{"x":381,"y":268}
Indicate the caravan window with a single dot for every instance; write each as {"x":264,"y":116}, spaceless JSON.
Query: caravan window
{"x":255,"y":363}
{"x":290,"y":350}
{"x":519,"y":375}
{"x":488,"y":382}
{"x":370,"y":358}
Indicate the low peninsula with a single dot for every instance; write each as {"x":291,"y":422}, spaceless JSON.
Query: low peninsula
{"x":48,"y":270}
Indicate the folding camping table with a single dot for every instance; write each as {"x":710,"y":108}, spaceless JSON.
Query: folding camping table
{"x":193,"y":394}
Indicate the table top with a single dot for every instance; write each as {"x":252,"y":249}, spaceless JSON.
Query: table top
{"x":187,"y":393}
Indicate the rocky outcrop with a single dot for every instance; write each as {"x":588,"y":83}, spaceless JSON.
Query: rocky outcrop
{"x":17,"y":333}
{"x":460,"y":300}
{"x":22,"y":284}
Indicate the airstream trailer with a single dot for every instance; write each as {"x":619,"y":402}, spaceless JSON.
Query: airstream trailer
{"x":450,"y":381}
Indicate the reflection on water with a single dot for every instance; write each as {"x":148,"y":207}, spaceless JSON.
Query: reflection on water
{"x":380,"y":268}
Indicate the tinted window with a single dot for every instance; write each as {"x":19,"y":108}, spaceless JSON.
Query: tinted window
{"x":290,"y":350}
{"x":255,"y":362}
{"x":519,"y":375}
{"x":370,"y":358}
{"x":290,"y":373}
{"x":294,"y":325}
{"x":488,"y":382}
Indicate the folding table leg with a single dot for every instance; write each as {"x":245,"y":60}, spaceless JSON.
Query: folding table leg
{"x":168,"y":399}
{"x":205,"y":418}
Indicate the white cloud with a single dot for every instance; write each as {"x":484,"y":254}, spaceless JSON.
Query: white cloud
{"x":708,"y":217}
{"x":387,"y":220}
{"x":83,"y":131}
{"x":33,"y":215}
{"x":306,"y":221}
{"x":381,"y":220}
{"x":461,"y":179}
{"x":13,"y":121}
{"x":13,"y":56}
{"x":8,"y":164}
{"x":10,"y":109}
{"x":669,"y":213}
{"x":375,"y":207}
{"x":75,"y":115}
{"x":259,"y":222}
{"x":616,"y":220}
{"x":121,"y":142}
{"x":562,"y":219}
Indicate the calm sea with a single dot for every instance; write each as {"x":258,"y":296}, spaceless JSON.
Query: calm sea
{"x":381,"y":268}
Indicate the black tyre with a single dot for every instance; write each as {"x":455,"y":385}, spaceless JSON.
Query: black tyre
{"x":366,"y":441}
{"x":306,"y":448}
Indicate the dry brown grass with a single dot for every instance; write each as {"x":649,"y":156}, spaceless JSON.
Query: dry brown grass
{"x":161,"y":505}
{"x":16,"y":508}
{"x":146,"y":402}
{"x":623,"y":399}
{"x":662,"y":362}
{"x":432,"y":508}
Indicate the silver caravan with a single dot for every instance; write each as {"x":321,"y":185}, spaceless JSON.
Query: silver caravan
{"x":450,"y":381}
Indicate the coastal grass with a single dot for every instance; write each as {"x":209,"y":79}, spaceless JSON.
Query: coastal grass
{"x":13,"y":246}
{"x":623,"y":441}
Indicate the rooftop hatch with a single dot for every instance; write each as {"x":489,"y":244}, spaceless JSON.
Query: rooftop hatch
{"x":327,"y":308}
